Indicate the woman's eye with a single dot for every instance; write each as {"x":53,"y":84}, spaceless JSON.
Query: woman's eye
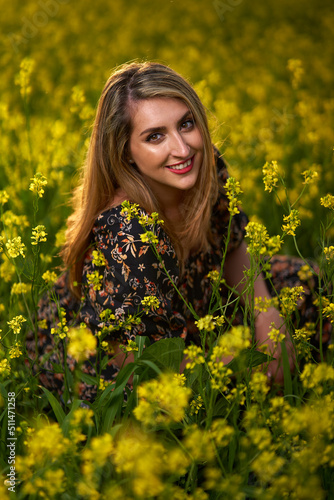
{"x":188,"y":124}
{"x":153,"y":137}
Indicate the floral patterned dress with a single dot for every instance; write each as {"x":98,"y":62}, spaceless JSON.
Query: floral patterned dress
{"x":130,"y":271}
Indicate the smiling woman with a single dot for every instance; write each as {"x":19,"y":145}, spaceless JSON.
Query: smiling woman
{"x":151,"y":148}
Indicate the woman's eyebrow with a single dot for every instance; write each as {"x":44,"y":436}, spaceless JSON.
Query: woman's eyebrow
{"x":163,"y":129}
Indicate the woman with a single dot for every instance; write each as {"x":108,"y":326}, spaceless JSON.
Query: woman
{"x":150,"y":145}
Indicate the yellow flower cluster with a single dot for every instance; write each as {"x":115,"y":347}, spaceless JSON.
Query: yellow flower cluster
{"x":328,"y":311}
{"x":4,"y":197}
{"x":295,"y":66}
{"x":62,"y":329}
{"x":327,"y":201}
{"x":23,"y":78}
{"x":305,"y":272}
{"x":194,"y":355}
{"x":19,"y":288}
{"x":15,"y":247}
{"x":38,"y":234}
{"x":289,"y":298}
{"x":150,"y":303}
{"x":270,"y":175}
{"x":82,"y":343}
{"x":49,"y":277}
{"x":5,"y":368}
{"x":314,"y":376}
{"x":310,"y":176}
{"x":233,"y":189}
{"x":38,"y":182}
{"x":98,"y":258}
{"x":15,"y":324}
{"x":259,"y":242}
{"x":149,"y":237}
{"x":292,"y":222}
{"x":95,"y":280}
{"x":162,"y":401}
{"x":262,"y":304}
{"x":329,"y":252}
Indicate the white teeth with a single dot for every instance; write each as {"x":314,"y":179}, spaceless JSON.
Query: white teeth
{"x":181,"y":165}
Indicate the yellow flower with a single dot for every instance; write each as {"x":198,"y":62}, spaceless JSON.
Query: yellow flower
{"x":195,"y":356}
{"x":62,"y":329}
{"x":314,"y":376}
{"x":310,"y":176}
{"x":305,"y":272}
{"x":49,"y":277}
{"x":259,"y":386}
{"x":162,"y":401}
{"x":98,"y":258}
{"x":289,"y":298}
{"x":327,"y":201}
{"x":270,"y":175}
{"x":95,"y":279}
{"x":329,"y":253}
{"x":275,"y":334}
{"x":18,"y":288}
{"x":207,"y":323}
{"x":38,"y":234}
{"x":328,"y":311}
{"x":16,"y":323}
{"x":4,"y":197}
{"x":23,"y":78}
{"x":296,"y":68}
{"x":232,"y":188}
{"x":130,"y":210}
{"x":196,"y":405}
{"x":292,"y":222}
{"x":4,"y":368}
{"x":82,"y":343}
{"x":150,"y":303}
{"x":37,"y":184}
{"x":15,"y":247}
{"x":149,"y":237}
{"x":16,"y":350}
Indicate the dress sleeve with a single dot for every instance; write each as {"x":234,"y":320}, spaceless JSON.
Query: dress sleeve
{"x":122,"y":271}
{"x":220,"y":214}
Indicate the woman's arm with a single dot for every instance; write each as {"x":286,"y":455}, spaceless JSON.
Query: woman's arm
{"x":236,"y":263}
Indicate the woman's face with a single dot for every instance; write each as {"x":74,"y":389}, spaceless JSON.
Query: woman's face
{"x":166,"y":145}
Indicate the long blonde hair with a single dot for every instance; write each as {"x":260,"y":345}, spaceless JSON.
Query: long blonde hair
{"x":107,"y":165}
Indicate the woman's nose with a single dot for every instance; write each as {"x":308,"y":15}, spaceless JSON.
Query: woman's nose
{"x":179,"y":146}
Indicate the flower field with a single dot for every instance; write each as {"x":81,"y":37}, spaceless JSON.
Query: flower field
{"x":264,"y":70}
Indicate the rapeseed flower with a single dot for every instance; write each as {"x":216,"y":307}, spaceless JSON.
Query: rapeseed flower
{"x":233,"y":189}
{"x":150,"y":303}
{"x":207,"y":323}
{"x":38,"y":234}
{"x":270,"y":175}
{"x":61,"y":329}
{"x":162,"y":401}
{"x":314,"y":376}
{"x":327,"y":201}
{"x":295,"y":66}
{"x":4,"y":197}
{"x":5,"y":368}
{"x":196,"y":405}
{"x":50,"y":277}
{"x":259,"y":386}
{"x":329,"y":253}
{"x":194,"y":355}
{"x":15,"y":247}
{"x":15,"y":351}
{"x":38,"y":183}
{"x":19,"y":288}
{"x":98,"y":258}
{"x":95,"y":279}
{"x":310,"y":176}
{"x":16,"y":323}
{"x":149,"y":237}
{"x":23,"y":78}
{"x":305,"y":272}
{"x":289,"y":298}
{"x":82,"y":343}
{"x":292,"y":222}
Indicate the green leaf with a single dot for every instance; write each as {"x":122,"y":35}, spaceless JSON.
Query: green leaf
{"x":166,"y":354}
{"x":58,"y":411}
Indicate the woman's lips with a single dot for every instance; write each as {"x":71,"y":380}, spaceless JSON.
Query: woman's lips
{"x":182,"y":168}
